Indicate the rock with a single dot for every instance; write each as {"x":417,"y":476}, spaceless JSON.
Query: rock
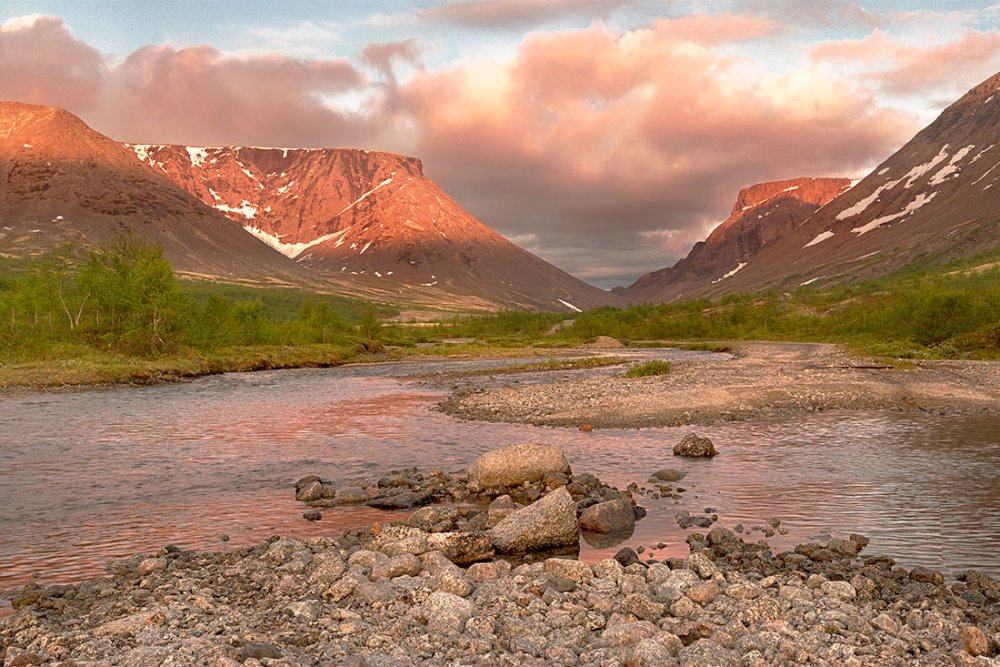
{"x":609,"y":517}
{"x":627,"y":556}
{"x":151,"y":565}
{"x":445,"y":612}
{"x":312,"y":490}
{"x":462,"y":548}
{"x":694,"y":445}
{"x":434,"y":518}
{"x":401,"y":501}
{"x":130,"y":625}
{"x":974,"y":641}
{"x":701,"y":565}
{"x":516,"y":464}
{"x":257,"y":651}
{"x":452,"y":581}
{"x":649,"y":653}
{"x":312,"y":515}
{"x":628,"y":634}
{"x":492,"y":571}
{"x":603,"y":343}
{"x":924,"y":575}
{"x":396,"y":566}
{"x":573,"y":569}
{"x":548,"y":523}
{"x":706,"y":653}
{"x":704,"y":592}
{"x":641,"y":606}
{"x":840,"y":590}
{"x":560,"y":584}
{"x":668,"y":475}
{"x":351,"y":495}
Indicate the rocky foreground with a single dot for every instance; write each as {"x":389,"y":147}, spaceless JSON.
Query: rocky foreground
{"x":440,"y":589}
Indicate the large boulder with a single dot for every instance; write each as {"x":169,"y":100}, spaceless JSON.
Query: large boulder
{"x":516,"y":464}
{"x":548,"y":523}
{"x":695,"y":446}
{"x":609,"y":517}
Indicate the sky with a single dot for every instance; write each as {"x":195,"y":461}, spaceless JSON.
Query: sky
{"x":606,"y":136}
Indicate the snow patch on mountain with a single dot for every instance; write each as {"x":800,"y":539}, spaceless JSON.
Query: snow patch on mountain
{"x":917,"y":202}
{"x":822,"y":236}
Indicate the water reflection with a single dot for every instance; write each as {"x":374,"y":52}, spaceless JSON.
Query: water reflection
{"x":89,"y":476}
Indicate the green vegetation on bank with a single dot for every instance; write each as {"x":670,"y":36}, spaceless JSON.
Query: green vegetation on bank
{"x":930,"y":310}
{"x":649,"y":368}
{"x":121,"y":315}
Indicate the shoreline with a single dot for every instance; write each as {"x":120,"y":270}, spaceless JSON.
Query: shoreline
{"x":763,"y":380}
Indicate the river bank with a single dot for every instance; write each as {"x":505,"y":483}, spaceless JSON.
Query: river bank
{"x":763,"y":380}
{"x":383,"y":598}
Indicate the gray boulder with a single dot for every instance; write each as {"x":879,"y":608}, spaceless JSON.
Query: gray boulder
{"x":695,"y":446}
{"x":516,"y":464}
{"x":546,"y":524}
{"x":609,"y":517}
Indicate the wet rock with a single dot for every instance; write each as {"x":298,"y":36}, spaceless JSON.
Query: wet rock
{"x":609,"y":517}
{"x":311,"y":490}
{"x":695,"y":446}
{"x":627,"y":556}
{"x":401,"y":501}
{"x":515,"y":464}
{"x":545,"y":524}
{"x":312,"y":515}
{"x":351,"y":495}
{"x":667,"y":475}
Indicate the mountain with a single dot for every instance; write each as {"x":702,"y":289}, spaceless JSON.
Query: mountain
{"x":762,"y":214}
{"x":935,"y":199}
{"x":61,"y":181}
{"x":368,"y":218}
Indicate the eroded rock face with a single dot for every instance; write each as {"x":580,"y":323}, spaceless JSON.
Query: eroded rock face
{"x":695,"y":446}
{"x":548,"y":523}
{"x":515,"y":464}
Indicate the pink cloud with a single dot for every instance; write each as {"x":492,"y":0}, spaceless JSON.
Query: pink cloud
{"x":904,"y":69}
{"x":515,"y":13}
{"x":607,"y":134}
{"x":41,"y":63}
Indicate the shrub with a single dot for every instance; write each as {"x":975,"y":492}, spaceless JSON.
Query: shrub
{"x":649,"y":369}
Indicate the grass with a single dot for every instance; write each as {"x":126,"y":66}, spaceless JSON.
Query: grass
{"x":650,"y":368}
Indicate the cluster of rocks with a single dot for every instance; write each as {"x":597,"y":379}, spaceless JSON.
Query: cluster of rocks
{"x":396,"y":597}
{"x":521,"y":499}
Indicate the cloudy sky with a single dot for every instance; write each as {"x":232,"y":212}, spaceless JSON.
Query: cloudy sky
{"x":606,"y":136}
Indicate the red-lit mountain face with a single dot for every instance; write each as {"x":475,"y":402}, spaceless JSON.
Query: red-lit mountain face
{"x":762,"y":214}
{"x":937,"y":198}
{"x":371,"y":217}
{"x":62,"y":182}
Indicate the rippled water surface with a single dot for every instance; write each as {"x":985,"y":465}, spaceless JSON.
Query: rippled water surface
{"x":94,"y":475}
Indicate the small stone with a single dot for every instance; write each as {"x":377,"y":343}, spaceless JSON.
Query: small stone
{"x":840,"y":590}
{"x":573,"y":569}
{"x":445,"y":612}
{"x":701,"y":565}
{"x":491,"y":571}
{"x":351,"y":495}
{"x":151,"y":565}
{"x":974,"y":641}
{"x":628,"y":634}
{"x":310,"y":490}
{"x":668,"y":475}
{"x":312,"y":515}
{"x":641,"y":606}
{"x":257,"y":651}
{"x":560,"y":584}
{"x":924,"y":575}
{"x":703,"y":593}
{"x":627,"y":556}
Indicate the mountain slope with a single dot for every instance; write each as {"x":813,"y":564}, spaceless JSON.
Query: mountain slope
{"x":61,"y":181}
{"x":368,"y":216}
{"x":937,"y":197}
{"x":762,"y":214}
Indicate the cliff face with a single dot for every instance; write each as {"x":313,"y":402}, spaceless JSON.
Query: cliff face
{"x":935,"y":198}
{"x":62,"y":182}
{"x":762,"y":214}
{"x":370,"y":215}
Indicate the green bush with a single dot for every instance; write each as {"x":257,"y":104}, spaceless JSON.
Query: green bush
{"x":649,"y":369}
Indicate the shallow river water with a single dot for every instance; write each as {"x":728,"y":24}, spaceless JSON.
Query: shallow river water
{"x":93,"y":475}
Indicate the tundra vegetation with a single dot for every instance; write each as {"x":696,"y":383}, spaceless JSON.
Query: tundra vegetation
{"x":120,"y":314}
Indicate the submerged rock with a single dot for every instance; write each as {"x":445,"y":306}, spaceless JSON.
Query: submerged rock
{"x":608,"y":517}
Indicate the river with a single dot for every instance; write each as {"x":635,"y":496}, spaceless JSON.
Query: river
{"x":93,"y":475}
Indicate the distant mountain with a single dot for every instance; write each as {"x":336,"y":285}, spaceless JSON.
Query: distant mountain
{"x":61,"y":181}
{"x":938,"y":198}
{"x":371,"y":218}
{"x":762,"y":214}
